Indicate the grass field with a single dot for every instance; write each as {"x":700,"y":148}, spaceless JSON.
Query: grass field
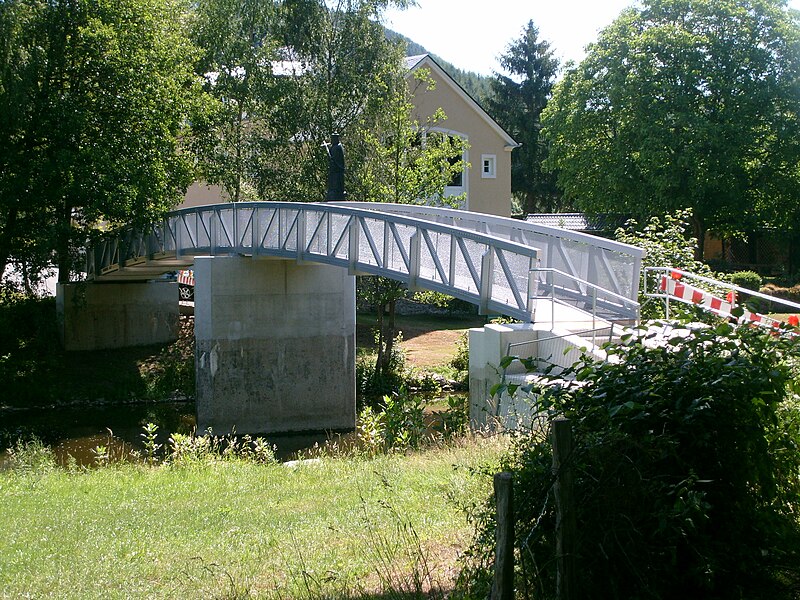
{"x":343,"y":528}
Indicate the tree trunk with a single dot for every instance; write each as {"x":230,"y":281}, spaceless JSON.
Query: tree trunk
{"x":379,"y":358}
{"x":389,"y":337}
{"x":63,"y":258}
{"x":699,"y":232}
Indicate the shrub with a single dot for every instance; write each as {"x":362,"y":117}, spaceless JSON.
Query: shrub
{"x":687,"y":471}
{"x":747,"y":279}
{"x":444,"y":302}
{"x":460,"y":361}
{"x":398,"y":425}
{"x":667,"y":244}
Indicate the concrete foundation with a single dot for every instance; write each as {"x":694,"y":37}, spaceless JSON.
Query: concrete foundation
{"x":98,"y":316}
{"x":275,"y":346}
{"x":490,"y":344}
{"x":487,"y":347}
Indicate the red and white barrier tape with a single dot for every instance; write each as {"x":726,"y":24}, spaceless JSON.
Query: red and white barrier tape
{"x":186,"y":277}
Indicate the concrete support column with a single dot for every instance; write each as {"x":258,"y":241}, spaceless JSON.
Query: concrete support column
{"x":97,"y":316}
{"x":275,"y":346}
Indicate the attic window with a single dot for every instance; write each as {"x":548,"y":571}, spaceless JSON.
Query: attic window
{"x":488,"y":166}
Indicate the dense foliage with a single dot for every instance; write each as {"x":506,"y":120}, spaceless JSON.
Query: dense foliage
{"x":94,"y":99}
{"x":517,"y":101}
{"x":685,"y":104}
{"x":667,"y":242}
{"x":286,"y":75}
{"x":686,"y":465}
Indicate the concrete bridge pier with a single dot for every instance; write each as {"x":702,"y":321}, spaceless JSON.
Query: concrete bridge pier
{"x":99,"y":316}
{"x":275,"y":345}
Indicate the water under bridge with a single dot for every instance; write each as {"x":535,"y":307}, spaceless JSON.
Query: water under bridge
{"x":275,"y":292}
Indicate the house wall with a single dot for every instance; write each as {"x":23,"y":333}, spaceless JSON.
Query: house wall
{"x":200,"y":194}
{"x":486,"y":195}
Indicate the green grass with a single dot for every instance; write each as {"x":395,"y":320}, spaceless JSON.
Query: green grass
{"x":237,"y":529}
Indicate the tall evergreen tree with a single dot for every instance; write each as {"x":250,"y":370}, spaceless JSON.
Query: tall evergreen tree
{"x":516,"y":102}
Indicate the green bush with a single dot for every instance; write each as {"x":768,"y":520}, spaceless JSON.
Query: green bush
{"x":444,"y":302}
{"x":687,"y":472}
{"x":747,"y":279}
{"x":667,"y":243}
{"x":399,"y":424}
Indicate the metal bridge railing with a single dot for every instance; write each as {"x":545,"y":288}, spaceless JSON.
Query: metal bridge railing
{"x":609,"y":264}
{"x":587,"y":298}
{"x":490,"y":271}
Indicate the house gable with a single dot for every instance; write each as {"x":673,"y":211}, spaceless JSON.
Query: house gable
{"x":488,"y":181}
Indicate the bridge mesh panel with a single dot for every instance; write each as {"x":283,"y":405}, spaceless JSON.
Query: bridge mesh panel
{"x":268,"y":227}
{"x":365,"y":253}
{"x":518,"y":264}
{"x":501,"y":286}
{"x":609,"y":269}
{"x":317,"y":232}
{"x":203,"y":225}
{"x":224,"y":237}
{"x":475,"y":252}
{"x":244,"y":228}
{"x":427,"y":266}
{"x":288,"y":229}
{"x":395,"y":260}
{"x":339,"y":232}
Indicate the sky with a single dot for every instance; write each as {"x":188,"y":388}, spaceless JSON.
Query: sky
{"x":471,"y":33}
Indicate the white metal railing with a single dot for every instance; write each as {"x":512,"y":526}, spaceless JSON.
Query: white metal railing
{"x":491,"y":271}
{"x":609,"y":264}
{"x":563,"y":289}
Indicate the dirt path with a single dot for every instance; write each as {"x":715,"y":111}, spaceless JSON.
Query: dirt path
{"x":428,"y":340}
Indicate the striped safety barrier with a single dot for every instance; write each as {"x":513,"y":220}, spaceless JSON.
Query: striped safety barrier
{"x":186,"y":277}
{"x":672,"y":286}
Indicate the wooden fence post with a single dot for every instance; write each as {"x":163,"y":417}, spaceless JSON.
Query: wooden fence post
{"x":566,"y":525}
{"x":503,"y":588}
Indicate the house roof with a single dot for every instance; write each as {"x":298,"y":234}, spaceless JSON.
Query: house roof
{"x":414,"y":62}
{"x":577,"y":221}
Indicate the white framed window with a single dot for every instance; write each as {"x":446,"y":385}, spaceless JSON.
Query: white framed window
{"x":488,"y":166}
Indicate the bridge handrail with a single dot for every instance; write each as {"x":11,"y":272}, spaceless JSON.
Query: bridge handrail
{"x":479,"y":220}
{"x":612,"y":264}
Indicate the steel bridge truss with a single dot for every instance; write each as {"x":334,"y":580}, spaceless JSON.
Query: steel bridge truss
{"x":492,"y":272}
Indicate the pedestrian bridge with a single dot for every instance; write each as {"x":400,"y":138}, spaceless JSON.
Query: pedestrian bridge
{"x":275,"y":296}
{"x":505,"y":266}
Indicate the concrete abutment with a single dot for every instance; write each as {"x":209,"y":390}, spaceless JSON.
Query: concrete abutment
{"x":100,"y":316}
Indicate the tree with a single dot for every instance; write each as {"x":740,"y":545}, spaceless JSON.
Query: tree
{"x":335,"y":81}
{"x":405,"y":161}
{"x":685,"y":104}
{"x":94,"y":98}
{"x":517,"y":102}
{"x":240,"y":40}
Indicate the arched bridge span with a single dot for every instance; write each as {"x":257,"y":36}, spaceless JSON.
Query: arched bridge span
{"x":502,"y":265}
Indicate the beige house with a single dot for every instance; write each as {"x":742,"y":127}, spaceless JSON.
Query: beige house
{"x":487,"y":183}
